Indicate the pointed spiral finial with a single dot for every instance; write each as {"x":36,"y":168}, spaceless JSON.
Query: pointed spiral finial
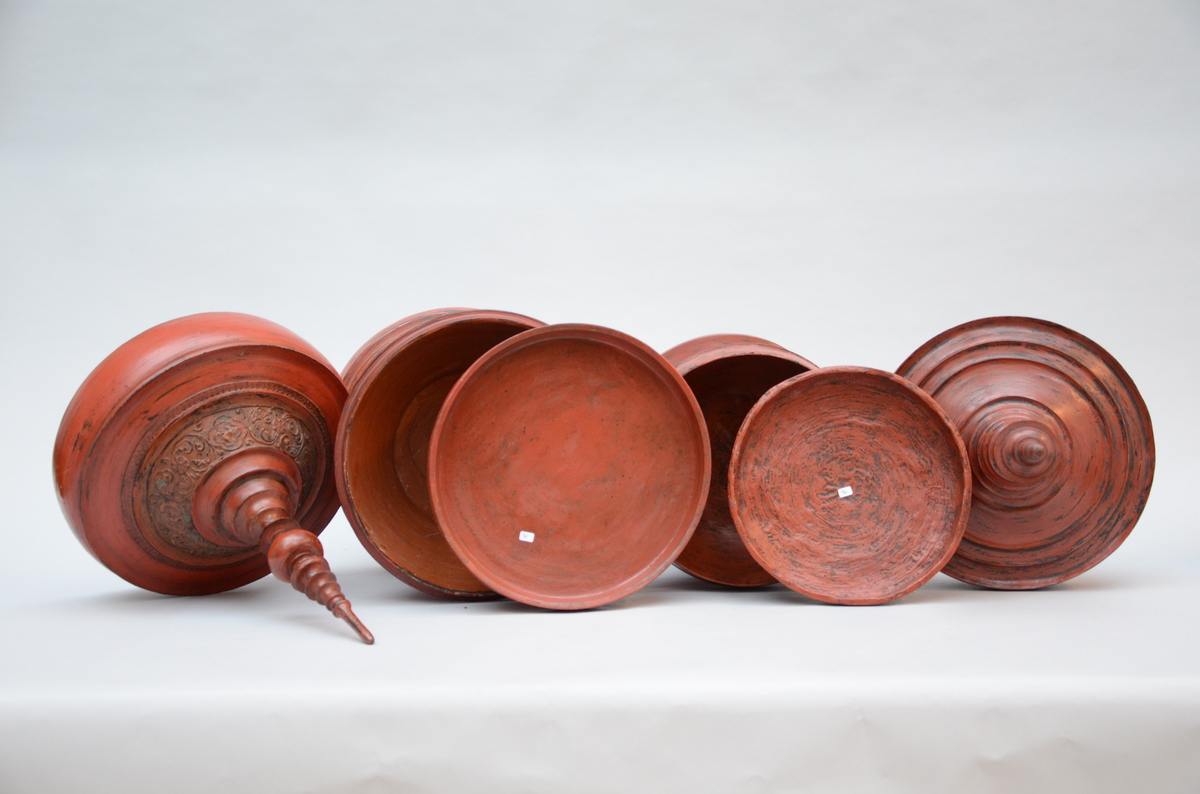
{"x":249,"y":499}
{"x":296,"y":556}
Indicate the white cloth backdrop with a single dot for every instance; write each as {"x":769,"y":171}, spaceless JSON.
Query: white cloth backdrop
{"x":847,"y":179}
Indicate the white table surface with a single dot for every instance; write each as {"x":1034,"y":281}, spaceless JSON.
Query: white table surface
{"x":1089,"y":686}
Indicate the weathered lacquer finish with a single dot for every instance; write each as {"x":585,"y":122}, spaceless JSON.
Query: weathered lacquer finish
{"x":849,"y":485}
{"x":569,"y":466}
{"x":398,"y":382}
{"x":1060,"y":442}
{"x":198,"y":457}
{"x":727,"y":373}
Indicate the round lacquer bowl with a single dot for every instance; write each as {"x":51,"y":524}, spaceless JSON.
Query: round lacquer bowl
{"x":169,"y":407}
{"x":398,"y":382}
{"x":727,"y":373}
{"x":569,"y":466}
{"x":1060,"y":444}
{"x":849,"y":485}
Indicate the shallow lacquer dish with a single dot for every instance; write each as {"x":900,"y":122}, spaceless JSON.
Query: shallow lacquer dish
{"x":849,"y":485}
{"x":569,"y":466}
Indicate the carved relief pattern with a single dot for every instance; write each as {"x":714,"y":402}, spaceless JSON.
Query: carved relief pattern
{"x":206,"y":439}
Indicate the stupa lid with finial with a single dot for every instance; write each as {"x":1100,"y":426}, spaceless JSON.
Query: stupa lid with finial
{"x":198,"y":457}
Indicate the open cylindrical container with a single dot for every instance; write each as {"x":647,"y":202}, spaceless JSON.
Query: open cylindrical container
{"x":1060,"y":443}
{"x":727,"y":373}
{"x":849,"y":485}
{"x":569,"y":466}
{"x":397,"y":383}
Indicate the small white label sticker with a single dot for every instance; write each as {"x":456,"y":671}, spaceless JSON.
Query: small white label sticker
{"x":527,"y":537}
{"x":843,"y":492}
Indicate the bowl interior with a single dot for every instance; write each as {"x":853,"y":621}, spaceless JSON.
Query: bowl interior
{"x":387,"y":450}
{"x":570,"y":467}
{"x":727,"y":389}
{"x":850,"y":485}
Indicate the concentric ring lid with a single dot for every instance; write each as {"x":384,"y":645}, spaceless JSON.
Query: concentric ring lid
{"x":1060,"y":442}
{"x":569,"y":466}
{"x":849,"y":485}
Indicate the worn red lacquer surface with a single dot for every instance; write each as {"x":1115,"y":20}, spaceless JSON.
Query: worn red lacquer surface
{"x":727,"y":373}
{"x":197,"y":457}
{"x":398,"y":382}
{"x":849,"y":485}
{"x":569,"y":466}
{"x":1060,"y":442}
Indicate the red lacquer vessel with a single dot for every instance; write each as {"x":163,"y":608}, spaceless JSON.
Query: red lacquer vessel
{"x":849,"y":485}
{"x":569,"y":466}
{"x":1060,"y":443}
{"x":727,"y":373}
{"x":198,"y":457}
{"x":397,"y":383}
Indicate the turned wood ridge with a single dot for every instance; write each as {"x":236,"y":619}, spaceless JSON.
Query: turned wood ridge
{"x":249,"y":500}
